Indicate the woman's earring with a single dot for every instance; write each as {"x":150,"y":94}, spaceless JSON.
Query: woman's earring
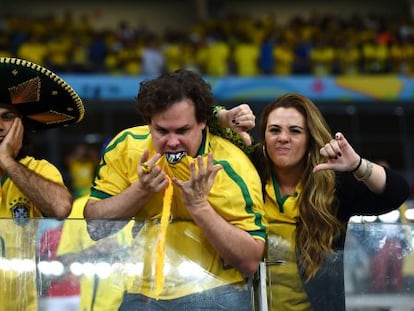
{"x":309,"y":158}
{"x":264,"y":151}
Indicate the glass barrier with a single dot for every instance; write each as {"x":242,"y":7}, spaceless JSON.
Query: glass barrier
{"x":46,"y":264}
{"x":379,"y":267}
{"x":377,"y":275}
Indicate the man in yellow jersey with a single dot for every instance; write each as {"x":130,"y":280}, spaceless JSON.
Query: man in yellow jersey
{"x":97,"y":292}
{"x":198,"y":196}
{"x":31,"y":99}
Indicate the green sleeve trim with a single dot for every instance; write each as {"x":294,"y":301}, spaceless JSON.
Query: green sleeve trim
{"x":121,"y":138}
{"x":99,"y":194}
{"x":245,"y":191}
{"x":113,"y":145}
{"x":4,"y":178}
{"x":258,"y":233}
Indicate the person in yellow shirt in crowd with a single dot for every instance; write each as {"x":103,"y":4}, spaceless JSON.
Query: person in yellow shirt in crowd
{"x":33,"y":49}
{"x":322,"y":56}
{"x":215,"y":56}
{"x":81,"y":164}
{"x":128,"y":60}
{"x":402,"y":56}
{"x":283,"y":56}
{"x":198,"y":195}
{"x":246,"y":57}
{"x":348,"y":57}
{"x":374,"y":56}
{"x":32,"y":98}
{"x":174,"y":51}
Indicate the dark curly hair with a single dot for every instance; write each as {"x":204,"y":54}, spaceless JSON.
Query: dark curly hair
{"x":159,"y":94}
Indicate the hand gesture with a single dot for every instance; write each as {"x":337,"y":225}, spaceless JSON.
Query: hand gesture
{"x":12,"y":142}
{"x":339,"y":154}
{"x":196,"y":190}
{"x":150,"y":176}
{"x":240,"y":119}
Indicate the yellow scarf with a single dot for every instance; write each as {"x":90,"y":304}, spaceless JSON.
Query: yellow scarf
{"x":181,"y":171}
{"x":160,"y":248}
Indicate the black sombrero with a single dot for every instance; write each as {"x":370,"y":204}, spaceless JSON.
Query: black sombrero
{"x":42,"y":98}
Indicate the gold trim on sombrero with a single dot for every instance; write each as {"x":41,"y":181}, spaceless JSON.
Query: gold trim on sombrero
{"x":50,"y":117}
{"x":52,"y":76}
{"x":25,"y":92}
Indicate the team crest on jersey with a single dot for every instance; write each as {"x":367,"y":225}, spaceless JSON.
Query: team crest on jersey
{"x":20,"y":213}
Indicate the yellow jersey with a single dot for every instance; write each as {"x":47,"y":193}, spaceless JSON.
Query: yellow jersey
{"x":18,"y":289}
{"x":191,"y":263}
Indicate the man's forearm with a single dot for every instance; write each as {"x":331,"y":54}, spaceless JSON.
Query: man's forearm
{"x":53,"y":199}
{"x":107,"y":216}
{"x":236,"y":247}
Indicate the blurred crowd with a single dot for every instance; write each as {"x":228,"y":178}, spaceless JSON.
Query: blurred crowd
{"x":235,"y":44}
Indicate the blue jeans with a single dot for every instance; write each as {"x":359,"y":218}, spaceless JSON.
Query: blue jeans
{"x":225,"y":298}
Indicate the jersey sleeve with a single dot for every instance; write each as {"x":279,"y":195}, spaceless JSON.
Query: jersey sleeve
{"x":118,"y":165}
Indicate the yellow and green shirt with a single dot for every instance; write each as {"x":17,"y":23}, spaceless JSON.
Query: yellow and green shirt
{"x":18,"y":289}
{"x":191,"y":263}
{"x":286,"y":290}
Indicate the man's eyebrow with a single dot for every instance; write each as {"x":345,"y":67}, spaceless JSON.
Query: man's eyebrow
{"x":184,"y":127}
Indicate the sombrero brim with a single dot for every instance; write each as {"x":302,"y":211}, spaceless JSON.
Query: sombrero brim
{"x":42,"y":98}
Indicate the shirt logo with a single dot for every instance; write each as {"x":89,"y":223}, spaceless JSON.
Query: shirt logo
{"x":20,"y":213}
